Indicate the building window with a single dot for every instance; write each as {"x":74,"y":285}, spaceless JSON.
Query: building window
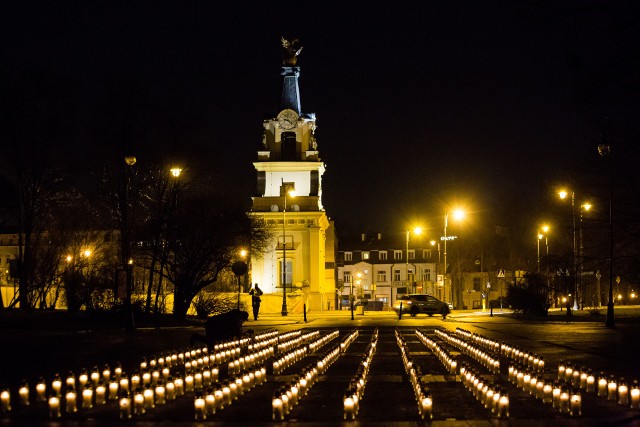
{"x":396,"y":275}
{"x":346,"y":277}
{"x":381,"y":276}
{"x":348,"y":256}
{"x":397,"y":255}
{"x":365,"y":255}
{"x":477,"y":284}
{"x":412,"y":254}
{"x":382,"y":255}
{"x":426,"y":254}
{"x":289,"y":273}
{"x":426,"y":274}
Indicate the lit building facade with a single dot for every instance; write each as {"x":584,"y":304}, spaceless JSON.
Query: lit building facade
{"x":302,"y":255}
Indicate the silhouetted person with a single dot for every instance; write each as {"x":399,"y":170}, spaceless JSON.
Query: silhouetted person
{"x":255,"y":293}
{"x":445,"y":310}
{"x":222,"y":327}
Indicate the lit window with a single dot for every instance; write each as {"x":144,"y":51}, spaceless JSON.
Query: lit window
{"x":412,"y":254}
{"x":397,"y":255}
{"x":382,"y":276}
{"x":365,"y":255}
{"x":382,"y":255}
{"x":426,"y":274}
{"x":347,"y":277}
{"x":396,"y":275}
{"x":348,"y":256}
{"x":426,"y":254}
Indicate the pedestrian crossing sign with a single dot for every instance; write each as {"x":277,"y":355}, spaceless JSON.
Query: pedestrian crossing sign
{"x":501,"y":272}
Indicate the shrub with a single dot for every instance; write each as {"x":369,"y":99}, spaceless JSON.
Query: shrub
{"x":209,"y":303}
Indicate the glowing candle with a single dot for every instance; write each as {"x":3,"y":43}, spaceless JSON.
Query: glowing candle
{"x":71,"y":380}
{"x":106,"y":374}
{"x":547,"y":393}
{"x":188,"y":382}
{"x":83,"y":379}
{"x":612,"y":388}
{"x":539,"y":388}
{"x":146,"y":378}
{"x":149,"y":401}
{"x":101,"y":393}
{"x":170,"y":389}
{"x":161,"y":395}
{"x":5,"y":400}
{"x":54,"y":407}
{"x":503,"y":405}
{"x":623,"y":393}
{"x":210,"y":402}
{"x":71,"y":404}
{"x":113,"y":389}
{"x":219,"y":395}
{"x":226,"y":394}
{"x":564,"y":400}
{"x":138,"y":403}
{"x":602,"y":386}
{"x":166,"y":372}
{"x":197,"y":380}
{"x":155,"y":376}
{"x":591,"y":382}
{"x":635,"y":395}
{"x":117,"y":372}
{"x":95,"y":376}
{"x":561,"y":369}
{"x":135,"y":381}
{"x":41,"y":390}
{"x":87,"y":397}
{"x":277,"y":413}
{"x":576,"y":404}
{"x":349,"y":408}
{"x":583,"y":379}
{"x":125,"y":405}
{"x":124,"y":383}
{"x":556,"y":395}
{"x":526,"y":382}
{"x":426,"y":405}
{"x":23,"y":392}
{"x":568,"y":373}
{"x":56,"y":385}
{"x":199,"y":405}
{"x":179,"y":382}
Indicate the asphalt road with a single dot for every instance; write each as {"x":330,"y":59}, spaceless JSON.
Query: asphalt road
{"x":30,"y":353}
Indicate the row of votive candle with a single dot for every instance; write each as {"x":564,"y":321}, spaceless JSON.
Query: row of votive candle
{"x":222,"y":395}
{"x":288,"y":359}
{"x":484,"y":342}
{"x":280,"y":402}
{"x":491,"y":395}
{"x":355,"y":390}
{"x":445,"y":358}
{"x":606,"y":386}
{"x":420,"y":390}
{"x":322,"y":341}
{"x":556,"y":393}
{"x":486,"y":359}
{"x":344,"y":345}
{"x":255,"y":358}
{"x":525,"y":358}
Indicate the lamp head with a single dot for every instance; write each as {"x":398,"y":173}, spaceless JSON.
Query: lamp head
{"x":604,"y":149}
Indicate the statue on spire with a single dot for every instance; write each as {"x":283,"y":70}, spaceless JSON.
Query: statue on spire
{"x":291,"y":51}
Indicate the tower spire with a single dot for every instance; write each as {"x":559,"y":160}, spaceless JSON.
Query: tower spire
{"x":290,"y":71}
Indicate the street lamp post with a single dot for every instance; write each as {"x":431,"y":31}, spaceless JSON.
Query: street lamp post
{"x":126,"y":247}
{"x":457,"y":214}
{"x":563,"y":194}
{"x":605,"y":150}
{"x":417,"y":231}
{"x":288,"y":189}
{"x":583,"y":207}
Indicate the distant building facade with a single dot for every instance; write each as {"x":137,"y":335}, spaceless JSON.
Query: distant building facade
{"x":379,"y":268}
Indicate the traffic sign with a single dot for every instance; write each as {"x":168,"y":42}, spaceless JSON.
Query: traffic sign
{"x":500,"y":272}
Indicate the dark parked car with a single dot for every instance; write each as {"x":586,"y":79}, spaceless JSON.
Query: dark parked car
{"x":420,"y":303}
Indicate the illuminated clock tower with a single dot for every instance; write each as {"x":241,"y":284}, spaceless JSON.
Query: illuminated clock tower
{"x":299,"y":268}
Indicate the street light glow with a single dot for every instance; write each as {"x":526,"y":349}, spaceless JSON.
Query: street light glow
{"x":545,"y":228}
{"x":458,"y":214}
{"x":563,"y":194}
{"x":586,"y":206}
{"x":176,"y":171}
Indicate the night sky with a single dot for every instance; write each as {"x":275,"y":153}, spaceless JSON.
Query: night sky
{"x":419,"y":104}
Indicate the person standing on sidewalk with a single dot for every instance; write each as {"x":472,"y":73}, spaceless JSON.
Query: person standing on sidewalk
{"x":255,"y":293}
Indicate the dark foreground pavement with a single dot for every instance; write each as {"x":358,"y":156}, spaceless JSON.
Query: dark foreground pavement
{"x":32,"y":352}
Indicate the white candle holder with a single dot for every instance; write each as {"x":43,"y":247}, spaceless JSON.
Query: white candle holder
{"x":199,"y":406}
{"x":54,"y":407}
{"x":124,"y":405}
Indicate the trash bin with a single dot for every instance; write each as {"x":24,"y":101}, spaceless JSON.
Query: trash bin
{"x":360,"y":309}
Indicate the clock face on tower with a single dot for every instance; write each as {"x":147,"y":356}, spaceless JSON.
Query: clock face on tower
{"x":288,"y":119}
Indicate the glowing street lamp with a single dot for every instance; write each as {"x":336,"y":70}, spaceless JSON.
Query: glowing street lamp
{"x":458,"y":214}
{"x":417,"y":231}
